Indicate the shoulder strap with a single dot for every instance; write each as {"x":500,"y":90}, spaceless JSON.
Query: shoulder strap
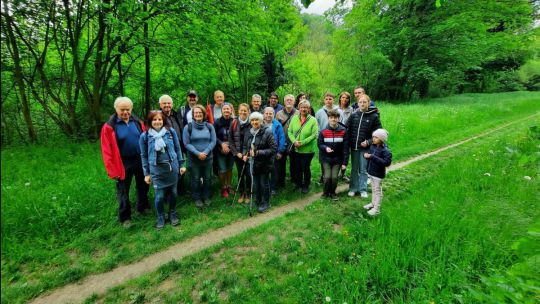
{"x":190,"y":128}
{"x":234,"y":124}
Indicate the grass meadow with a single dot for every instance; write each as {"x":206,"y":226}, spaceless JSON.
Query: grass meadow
{"x":59,"y":214}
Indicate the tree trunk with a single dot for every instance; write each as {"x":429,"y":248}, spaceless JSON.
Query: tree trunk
{"x":147,"y":86}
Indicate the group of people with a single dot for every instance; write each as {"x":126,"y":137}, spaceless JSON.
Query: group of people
{"x":256,"y":139}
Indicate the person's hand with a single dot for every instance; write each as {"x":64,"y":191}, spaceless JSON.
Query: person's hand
{"x":367,"y":155}
{"x":182,"y":170}
{"x":279,"y":156}
{"x":245,"y":158}
{"x":343,"y":167}
{"x":239,"y":155}
{"x":202,"y":156}
{"x":297,"y":144}
{"x":364,"y":143}
{"x":225,"y":148}
{"x":329,"y":150}
{"x":148,"y":179}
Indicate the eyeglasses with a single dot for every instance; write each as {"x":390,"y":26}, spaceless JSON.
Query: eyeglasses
{"x":155,"y":111}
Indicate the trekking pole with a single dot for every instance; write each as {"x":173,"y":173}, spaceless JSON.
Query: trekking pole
{"x":252,"y":164}
{"x":238,"y":185}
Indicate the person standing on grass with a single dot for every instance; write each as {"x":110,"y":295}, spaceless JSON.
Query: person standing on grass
{"x":225,"y":159}
{"x":303,"y":96}
{"x":162,"y":162}
{"x":379,"y":157}
{"x":334,"y":153}
{"x":184,"y":112}
{"x":345,"y":111}
{"x":121,"y":155}
{"x":284,"y":117}
{"x":261,"y":149}
{"x":279,"y":138}
{"x":273,"y":101}
{"x":199,"y":137}
{"x":238,"y":134}
{"x":358,"y":92}
{"x":360,"y":126}
{"x":322,"y":121}
{"x":174,"y":120}
{"x":256,"y":104}
{"x":303,"y":132}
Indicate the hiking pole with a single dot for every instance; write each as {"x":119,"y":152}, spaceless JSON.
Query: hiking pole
{"x":252,"y":164}
{"x":238,"y":185}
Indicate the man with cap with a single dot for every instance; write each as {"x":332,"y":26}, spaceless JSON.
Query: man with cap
{"x":185,"y":111}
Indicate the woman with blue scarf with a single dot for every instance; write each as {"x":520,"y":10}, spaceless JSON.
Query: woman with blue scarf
{"x":162,"y":161}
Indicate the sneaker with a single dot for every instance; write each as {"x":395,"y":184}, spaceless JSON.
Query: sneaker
{"x":363,"y":194}
{"x":374,"y":211}
{"x":334,"y":197}
{"x":199,"y":204}
{"x":126,"y":224}
{"x":351,"y":193}
{"x":207,"y":202}
{"x":174,"y":219}
{"x":224,"y":192}
{"x":368,"y":206}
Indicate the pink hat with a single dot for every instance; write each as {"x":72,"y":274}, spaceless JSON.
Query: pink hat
{"x":382,"y":134}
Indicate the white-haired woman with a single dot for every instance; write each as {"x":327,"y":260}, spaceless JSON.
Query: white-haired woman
{"x":122,"y":157}
{"x":261,"y":148}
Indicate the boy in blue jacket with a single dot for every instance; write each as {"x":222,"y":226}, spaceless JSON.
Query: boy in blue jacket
{"x":379,"y":157}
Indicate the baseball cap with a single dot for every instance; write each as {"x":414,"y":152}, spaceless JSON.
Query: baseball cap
{"x":192,"y":92}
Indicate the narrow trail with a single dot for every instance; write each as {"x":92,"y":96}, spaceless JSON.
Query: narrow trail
{"x":100,"y":283}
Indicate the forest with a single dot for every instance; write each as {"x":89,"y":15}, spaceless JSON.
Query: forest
{"x":64,"y":62}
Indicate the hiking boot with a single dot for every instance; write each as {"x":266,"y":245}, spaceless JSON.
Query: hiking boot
{"x":247,"y":199}
{"x":374,"y":211}
{"x":351,"y":193}
{"x":363,"y":194}
{"x":224,"y":192}
{"x":368,"y":206}
{"x":160,"y":222}
{"x":263,"y":208}
{"x":199,"y":204}
{"x":173,"y":217}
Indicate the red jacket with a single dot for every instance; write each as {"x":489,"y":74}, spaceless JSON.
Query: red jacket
{"x":109,"y":149}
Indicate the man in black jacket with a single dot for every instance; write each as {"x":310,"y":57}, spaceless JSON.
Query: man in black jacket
{"x":360,"y":126}
{"x":175,"y":120}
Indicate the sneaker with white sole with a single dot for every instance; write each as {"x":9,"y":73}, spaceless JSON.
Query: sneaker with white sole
{"x":368,"y":206}
{"x":351,"y":193}
{"x":374,"y":211}
{"x":363,"y":194}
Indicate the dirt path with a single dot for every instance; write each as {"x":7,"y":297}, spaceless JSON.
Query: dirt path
{"x":99,"y":283}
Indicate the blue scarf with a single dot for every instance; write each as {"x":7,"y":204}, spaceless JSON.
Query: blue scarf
{"x":160,"y":143}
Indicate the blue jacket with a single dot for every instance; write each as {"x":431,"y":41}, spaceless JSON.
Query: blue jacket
{"x":381,"y":157}
{"x":149,"y":155}
{"x":279,"y":136}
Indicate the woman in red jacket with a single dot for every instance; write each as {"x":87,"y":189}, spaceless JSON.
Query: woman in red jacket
{"x":122,"y":157}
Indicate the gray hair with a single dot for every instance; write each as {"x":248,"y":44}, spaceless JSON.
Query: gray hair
{"x":269,"y":108}
{"x":289,"y":95}
{"x":165,"y":97}
{"x":256,"y":96}
{"x":256,"y":116}
{"x":304,"y":102}
{"x":120,"y":99}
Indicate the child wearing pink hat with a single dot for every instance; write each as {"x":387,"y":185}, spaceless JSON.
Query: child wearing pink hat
{"x":379,"y":157}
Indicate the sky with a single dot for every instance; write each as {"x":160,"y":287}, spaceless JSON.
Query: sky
{"x":318,"y":7}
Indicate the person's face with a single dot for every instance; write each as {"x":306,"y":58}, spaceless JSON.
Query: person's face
{"x":166,"y":105}
{"x":192,"y":100}
{"x":376,"y":140}
{"x":333,"y":120}
{"x":273,"y":100}
{"x":256,"y":103}
{"x":219,"y":98}
{"x":123,"y":110}
{"x":302,"y":97}
{"x":243,"y":112}
{"x":343,"y":100}
{"x":304,"y":109}
{"x":226,"y":111}
{"x":157,"y":122}
{"x":328,"y":101}
{"x":255,"y":123}
{"x":289,"y":102}
{"x":198,"y":115}
{"x":363,"y":104}
{"x":268,"y":116}
{"x":358,"y":93}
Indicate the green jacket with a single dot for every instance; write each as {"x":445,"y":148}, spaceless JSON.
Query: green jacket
{"x":308,"y":135}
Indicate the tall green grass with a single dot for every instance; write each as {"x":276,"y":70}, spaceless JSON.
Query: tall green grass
{"x":59,"y":209}
{"x":453,"y":229}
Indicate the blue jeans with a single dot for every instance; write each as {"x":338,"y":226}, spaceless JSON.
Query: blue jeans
{"x":161,"y":196}
{"x":358,"y":182}
{"x":201,"y":169}
{"x":261,"y":188}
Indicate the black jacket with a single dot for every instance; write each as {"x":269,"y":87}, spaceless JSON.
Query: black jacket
{"x":381,"y":157}
{"x":360,"y":126}
{"x":222,"y":127}
{"x":265,"y":149}
{"x":337,"y":140}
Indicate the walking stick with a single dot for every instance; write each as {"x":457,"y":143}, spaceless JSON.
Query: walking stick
{"x":238,"y":185}
{"x":251,"y":173}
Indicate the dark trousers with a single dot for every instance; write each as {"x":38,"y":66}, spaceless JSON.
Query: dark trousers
{"x":293,"y":167}
{"x":330,"y":177}
{"x":201,"y":169}
{"x":245,"y":179}
{"x":281,"y":167}
{"x":133,"y":168}
{"x":261,"y":188}
{"x":303,"y":168}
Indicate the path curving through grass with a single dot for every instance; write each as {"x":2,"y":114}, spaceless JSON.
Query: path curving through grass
{"x":100,"y":283}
